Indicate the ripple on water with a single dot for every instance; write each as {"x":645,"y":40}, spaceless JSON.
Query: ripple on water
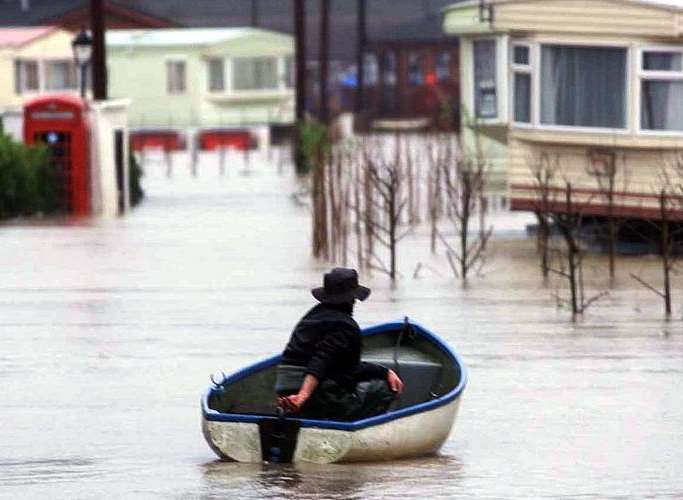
{"x":37,"y":471}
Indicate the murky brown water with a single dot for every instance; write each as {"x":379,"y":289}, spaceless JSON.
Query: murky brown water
{"x":110,"y":329}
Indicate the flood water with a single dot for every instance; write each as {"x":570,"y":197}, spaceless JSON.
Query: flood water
{"x":109,"y":330}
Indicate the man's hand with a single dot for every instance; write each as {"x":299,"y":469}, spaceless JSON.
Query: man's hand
{"x":291,"y":404}
{"x":395,"y":383}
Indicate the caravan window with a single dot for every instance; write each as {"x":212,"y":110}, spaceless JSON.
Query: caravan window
{"x":175,"y":77}
{"x":60,"y":75}
{"x":216,"y":69}
{"x":485,"y":98}
{"x":583,"y":86}
{"x":661,"y":87}
{"x":521,"y":83}
{"x":26,"y":76}
{"x":255,"y":73}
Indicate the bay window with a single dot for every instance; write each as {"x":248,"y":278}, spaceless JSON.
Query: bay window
{"x":661,"y":90}
{"x":290,"y":72}
{"x":255,"y":73}
{"x":583,"y":86}
{"x":485,"y":66}
{"x":60,"y":75}
{"x":26,"y":76}
{"x":216,"y":72}
{"x":175,"y":77}
{"x":521,"y":83}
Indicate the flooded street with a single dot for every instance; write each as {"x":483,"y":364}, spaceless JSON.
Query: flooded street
{"x":111,"y":328}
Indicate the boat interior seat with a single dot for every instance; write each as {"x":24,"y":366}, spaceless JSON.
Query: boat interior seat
{"x":422,"y":381}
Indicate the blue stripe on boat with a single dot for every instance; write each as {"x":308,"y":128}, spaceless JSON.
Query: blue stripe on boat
{"x":216,"y":416}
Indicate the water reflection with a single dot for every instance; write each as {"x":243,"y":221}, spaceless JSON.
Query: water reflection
{"x":109,"y":331}
{"x":432,"y":477}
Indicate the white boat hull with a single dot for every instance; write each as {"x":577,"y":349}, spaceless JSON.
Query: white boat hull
{"x":413,"y":435}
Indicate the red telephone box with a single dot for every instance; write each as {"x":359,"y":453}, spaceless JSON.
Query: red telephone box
{"x":59,"y":122}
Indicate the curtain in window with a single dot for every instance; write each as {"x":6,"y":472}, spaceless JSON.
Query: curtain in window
{"x":523,"y":97}
{"x":175,"y":77}
{"x":216,"y":75}
{"x":583,"y":86}
{"x":662,"y":61}
{"x":255,"y":74}
{"x":485,"y":101}
{"x":60,"y":75}
{"x":662,"y":105}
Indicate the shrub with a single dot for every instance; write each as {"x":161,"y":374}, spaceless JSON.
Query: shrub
{"x":28,"y":186}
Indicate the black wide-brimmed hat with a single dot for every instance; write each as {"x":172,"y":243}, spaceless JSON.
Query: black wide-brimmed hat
{"x":340,"y":286}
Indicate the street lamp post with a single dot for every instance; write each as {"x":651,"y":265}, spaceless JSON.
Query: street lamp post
{"x":82,"y":47}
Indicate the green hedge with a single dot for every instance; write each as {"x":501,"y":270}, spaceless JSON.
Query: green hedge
{"x":27,"y":183}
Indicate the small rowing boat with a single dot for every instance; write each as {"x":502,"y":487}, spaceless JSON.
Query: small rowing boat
{"x":241,"y":421}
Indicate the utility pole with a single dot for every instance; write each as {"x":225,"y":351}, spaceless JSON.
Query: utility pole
{"x":300,"y":57}
{"x":324,"y":60}
{"x":99,"y":54}
{"x":360,"y":53}
{"x":254,"y":13}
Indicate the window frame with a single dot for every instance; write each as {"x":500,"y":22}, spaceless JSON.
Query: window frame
{"x":209,"y":60}
{"x":536,"y":75}
{"x":502,"y":42}
{"x":19,"y":76}
{"x":175,"y":60}
{"x":643,"y":75}
{"x":526,"y":69}
{"x":278,"y":79}
{"x":72,"y":67}
{"x":497,"y":85}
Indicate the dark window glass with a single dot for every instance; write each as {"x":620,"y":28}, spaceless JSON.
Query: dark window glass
{"x":443,"y":66}
{"x":661,"y":105}
{"x":523,"y":97}
{"x":521,"y":55}
{"x":583,"y":86}
{"x":485,"y":100}
{"x":662,"y":61}
{"x":415,"y":73}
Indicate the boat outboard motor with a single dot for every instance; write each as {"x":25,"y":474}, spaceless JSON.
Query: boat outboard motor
{"x":278,"y":438}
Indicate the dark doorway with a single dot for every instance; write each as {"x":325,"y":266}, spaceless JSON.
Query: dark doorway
{"x":119,"y":158}
{"x":59,"y":150}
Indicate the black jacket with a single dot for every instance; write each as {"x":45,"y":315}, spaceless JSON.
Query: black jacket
{"x":328,"y":343}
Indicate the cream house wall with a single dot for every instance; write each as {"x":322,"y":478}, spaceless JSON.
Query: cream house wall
{"x":56,"y":45}
{"x":606,"y":17}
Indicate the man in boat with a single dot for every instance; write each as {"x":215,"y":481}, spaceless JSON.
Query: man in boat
{"x":321,"y":375}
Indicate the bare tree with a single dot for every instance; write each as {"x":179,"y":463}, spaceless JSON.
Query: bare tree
{"x":544,"y":171}
{"x":385,"y":177}
{"x":666,"y":247}
{"x":603,"y":168}
{"x":464,"y":180}
{"x":568,"y":221}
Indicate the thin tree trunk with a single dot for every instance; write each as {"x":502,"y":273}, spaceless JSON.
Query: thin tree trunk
{"x":99,"y":50}
{"x":360,"y":55}
{"x":324,"y":60}
{"x":666,"y":253}
{"x":301,"y":84}
{"x":572,"y":250}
